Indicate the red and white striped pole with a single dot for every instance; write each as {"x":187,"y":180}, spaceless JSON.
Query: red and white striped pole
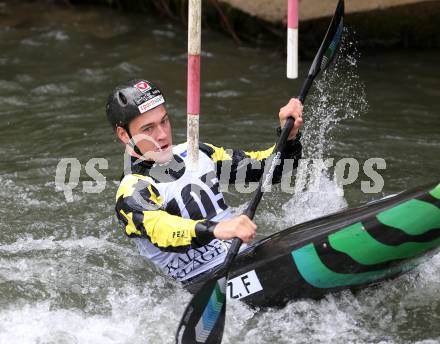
{"x":193,"y":91}
{"x":292,"y":39}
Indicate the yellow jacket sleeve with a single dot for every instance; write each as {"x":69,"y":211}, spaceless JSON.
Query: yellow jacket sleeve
{"x":140,"y":212}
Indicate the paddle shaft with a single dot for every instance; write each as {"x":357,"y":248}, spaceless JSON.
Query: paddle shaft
{"x":267,"y":178}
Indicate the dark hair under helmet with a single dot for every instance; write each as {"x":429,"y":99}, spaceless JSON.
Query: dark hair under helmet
{"x":129,"y":100}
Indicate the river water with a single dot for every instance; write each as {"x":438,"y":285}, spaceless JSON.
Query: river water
{"x":68,"y":274}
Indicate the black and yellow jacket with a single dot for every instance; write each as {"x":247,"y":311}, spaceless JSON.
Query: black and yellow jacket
{"x":172,"y":212}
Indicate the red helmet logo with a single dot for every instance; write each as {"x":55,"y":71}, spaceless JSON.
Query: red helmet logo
{"x":143,"y":86}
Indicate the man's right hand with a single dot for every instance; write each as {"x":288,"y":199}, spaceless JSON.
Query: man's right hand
{"x":238,"y":227}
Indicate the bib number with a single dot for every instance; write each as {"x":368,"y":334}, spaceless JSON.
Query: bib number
{"x":204,"y":200}
{"x":243,"y":285}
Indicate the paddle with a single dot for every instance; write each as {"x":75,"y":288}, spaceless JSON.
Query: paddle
{"x":204,"y":317}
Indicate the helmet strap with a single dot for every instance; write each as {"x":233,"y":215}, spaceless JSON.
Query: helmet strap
{"x":132,"y":145}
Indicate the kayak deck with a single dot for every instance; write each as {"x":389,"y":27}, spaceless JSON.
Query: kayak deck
{"x":352,"y":248}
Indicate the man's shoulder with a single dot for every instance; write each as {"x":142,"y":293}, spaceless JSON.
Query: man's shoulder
{"x":206,"y":148}
{"x":130,"y":182}
{"x":213,"y":152}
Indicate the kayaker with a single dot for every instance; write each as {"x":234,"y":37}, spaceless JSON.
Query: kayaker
{"x":178,"y":218}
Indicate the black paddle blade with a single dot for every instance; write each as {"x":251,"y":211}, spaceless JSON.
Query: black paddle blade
{"x":330,"y":44}
{"x":204,"y":318}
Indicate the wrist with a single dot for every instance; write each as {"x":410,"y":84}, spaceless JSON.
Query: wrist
{"x":205,"y":231}
{"x":295,"y":138}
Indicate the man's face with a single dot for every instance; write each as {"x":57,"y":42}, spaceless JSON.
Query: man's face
{"x":151,"y":132}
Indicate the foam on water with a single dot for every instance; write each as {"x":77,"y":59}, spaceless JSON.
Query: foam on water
{"x":311,"y":203}
{"x":28,"y":244}
{"x":222,"y":94}
{"x":38,"y":323}
{"x":52,"y":90}
{"x":70,"y":294}
{"x":88,"y":290}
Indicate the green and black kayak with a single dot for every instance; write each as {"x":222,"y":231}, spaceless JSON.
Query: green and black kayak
{"x":353,"y":248}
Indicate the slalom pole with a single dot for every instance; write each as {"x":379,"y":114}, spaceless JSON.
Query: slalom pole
{"x":193,"y":87}
{"x":292,"y":39}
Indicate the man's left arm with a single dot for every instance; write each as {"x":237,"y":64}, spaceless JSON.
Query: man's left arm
{"x":248,"y":166}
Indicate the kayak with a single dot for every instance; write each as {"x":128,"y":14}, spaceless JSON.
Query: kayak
{"x":350,"y":249}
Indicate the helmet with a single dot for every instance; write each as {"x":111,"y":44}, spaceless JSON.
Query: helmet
{"x":129,"y":100}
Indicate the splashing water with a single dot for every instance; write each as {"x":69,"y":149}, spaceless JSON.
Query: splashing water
{"x":338,"y":94}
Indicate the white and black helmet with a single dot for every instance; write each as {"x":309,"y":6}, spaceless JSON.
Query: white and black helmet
{"x":129,"y":100}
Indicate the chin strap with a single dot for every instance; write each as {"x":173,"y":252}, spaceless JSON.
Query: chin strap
{"x":131,"y":143}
